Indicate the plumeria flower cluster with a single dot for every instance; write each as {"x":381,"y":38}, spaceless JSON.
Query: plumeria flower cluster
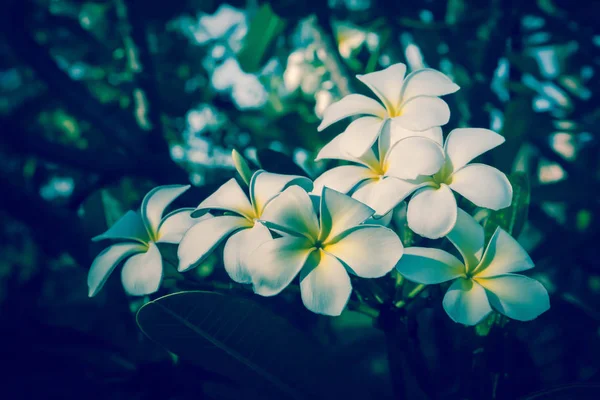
{"x":285,"y":226}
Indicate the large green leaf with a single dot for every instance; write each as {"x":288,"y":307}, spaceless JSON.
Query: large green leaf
{"x":265,"y":28}
{"x":512,"y":218}
{"x":245,"y":342}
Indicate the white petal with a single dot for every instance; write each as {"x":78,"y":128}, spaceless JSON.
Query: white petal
{"x":334,"y":151}
{"x":155,"y":202}
{"x":464,"y":144}
{"x":204,"y":237}
{"x":384,"y":220}
{"x":292,"y":212}
{"x":228,"y":197}
{"x":353,"y":104}
{"x":360,"y":135}
{"x":339,"y":213}
{"x":386,"y":84}
{"x":343,"y":179}
{"x":383,"y":195}
{"x":264,"y":186}
{"x":429,"y":266}
{"x":275,"y":263}
{"x":503,"y":255}
{"x":395,"y":133}
{"x":176,"y":224}
{"x":326,"y":287}
{"x":468,"y":237}
{"x":414,"y":156}
{"x":427,"y":82}
{"x":466,"y":302}
{"x":129,"y":227}
{"x":423,"y":112}
{"x":142,"y":273}
{"x":432,"y":212}
{"x":370,"y":251}
{"x":238,"y":249}
{"x":106,"y":262}
{"x":483,"y":185}
{"x":516,"y":296}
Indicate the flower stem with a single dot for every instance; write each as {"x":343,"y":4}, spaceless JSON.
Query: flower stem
{"x":364,"y":309}
{"x":411,"y":295}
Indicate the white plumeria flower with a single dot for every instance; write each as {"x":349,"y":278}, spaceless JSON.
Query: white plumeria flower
{"x":411,"y":103}
{"x":485,"y":280}
{"x":240,"y":224}
{"x":143,"y":271}
{"x":322,"y":250}
{"x":432,"y":210}
{"x":432,"y":172}
{"x":399,"y":154}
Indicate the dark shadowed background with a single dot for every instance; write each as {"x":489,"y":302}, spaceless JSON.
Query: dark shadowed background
{"x":102,"y":100}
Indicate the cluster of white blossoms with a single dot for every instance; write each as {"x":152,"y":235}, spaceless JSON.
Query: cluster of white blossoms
{"x":327,"y":230}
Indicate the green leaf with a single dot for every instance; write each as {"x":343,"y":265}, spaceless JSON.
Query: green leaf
{"x":265,"y":28}
{"x":512,"y":219}
{"x":245,"y":342}
{"x":242,"y":167}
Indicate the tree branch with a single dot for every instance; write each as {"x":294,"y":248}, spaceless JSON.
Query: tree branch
{"x":324,"y":38}
{"x":135,"y":34}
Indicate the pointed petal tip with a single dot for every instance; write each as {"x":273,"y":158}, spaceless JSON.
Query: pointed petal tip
{"x":453,"y":88}
{"x":183,"y":267}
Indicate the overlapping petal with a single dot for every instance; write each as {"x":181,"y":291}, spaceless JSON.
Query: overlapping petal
{"x":343,"y":179}
{"x":429,"y":266}
{"x":229,"y":197}
{"x":466,"y":302}
{"x":129,"y":227}
{"x":340,"y":213}
{"x":325,"y":287}
{"x":516,"y":296}
{"x":427,"y":82}
{"x":483,"y":185}
{"x":432,"y":212}
{"x":176,"y":224}
{"x":292,"y":212}
{"x":464,"y":144}
{"x":238,"y":249}
{"x":370,"y":251}
{"x":106,"y":261}
{"x":155,"y":203}
{"x":468,"y":237}
{"x":352,"y":104}
{"x":264,"y":186}
{"x":414,"y":156}
{"x":503,"y":255}
{"x":360,"y":135}
{"x":423,"y":112}
{"x":205,"y":236}
{"x":385,"y":194}
{"x":386,"y":84}
{"x":142,"y":273}
{"x":397,"y":132}
{"x":275,"y":263}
